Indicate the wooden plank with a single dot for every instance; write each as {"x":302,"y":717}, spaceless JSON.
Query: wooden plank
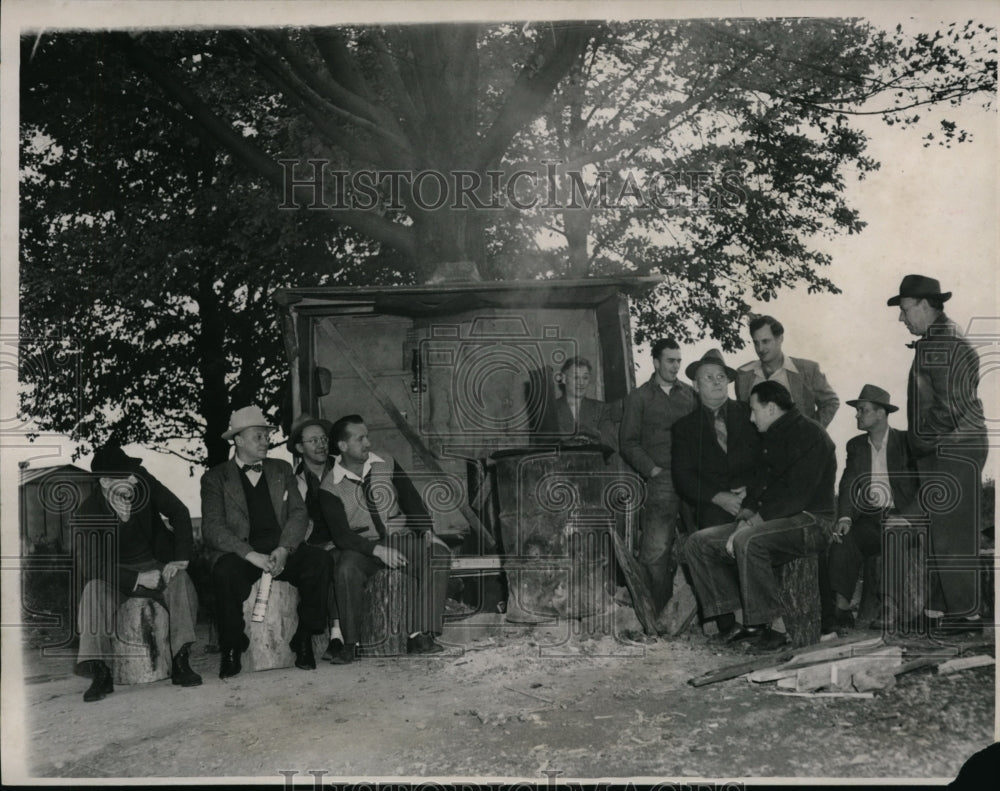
{"x":636,"y":584}
{"x":838,"y":672}
{"x":735,"y":671}
{"x":965,"y":663}
{"x":855,"y":695}
{"x":411,"y":436}
{"x":844,"y":650}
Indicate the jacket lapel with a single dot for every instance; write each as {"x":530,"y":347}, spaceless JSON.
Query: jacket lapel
{"x":234,"y":489}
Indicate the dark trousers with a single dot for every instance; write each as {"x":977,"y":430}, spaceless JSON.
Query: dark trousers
{"x":659,"y":529}
{"x":307,"y":568}
{"x":427,"y":591}
{"x":951,"y":492}
{"x":847,"y":558}
{"x":723,"y":584}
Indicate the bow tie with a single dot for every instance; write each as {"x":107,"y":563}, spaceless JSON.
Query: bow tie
{"x":258,"y":467}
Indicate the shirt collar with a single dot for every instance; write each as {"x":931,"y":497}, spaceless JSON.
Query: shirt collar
{"x":883,"y":443}
{"x":787,"y":364}
{"x":340,"y":471}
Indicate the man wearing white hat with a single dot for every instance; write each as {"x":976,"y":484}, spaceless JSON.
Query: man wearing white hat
{"x":254,"y":520}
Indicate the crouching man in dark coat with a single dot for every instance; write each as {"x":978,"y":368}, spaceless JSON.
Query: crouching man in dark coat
{"x":148,"y":561}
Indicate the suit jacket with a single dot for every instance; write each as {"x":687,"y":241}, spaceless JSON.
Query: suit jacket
{"x":594,"y":421}
{"x":810,"y":391}
{"x":225,"y":522}
{"x":701,"y":468}
{"x":148,"y":533}
{"x":852,"y":495}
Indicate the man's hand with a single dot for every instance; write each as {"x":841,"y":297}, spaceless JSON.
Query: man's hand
{"x":393,"y":558}
{"x":655,"y":471}
{"x":277,"y":560}
{"x":259,"y":559}
{"x":172,"y":568}
{"x":840,"y":529}
{"x":741,"y":528}
{"x":728,"y":502}
{"x":148,"y":579}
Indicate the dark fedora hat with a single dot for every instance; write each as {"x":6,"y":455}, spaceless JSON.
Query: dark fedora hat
{"x":919,"y":287}
{"x":301,"y":423}
{"x":110,"y":461}
{"x":713,"y":356}
{"x":877,"y":396}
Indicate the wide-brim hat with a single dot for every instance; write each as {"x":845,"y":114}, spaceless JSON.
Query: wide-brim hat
{"x":714,"y":357}
{"x":301,"y":423}
{"x":248,"y":417}
{"x":110,"y":461}
{"x":877,"y":396}
{"x":919,"y":287}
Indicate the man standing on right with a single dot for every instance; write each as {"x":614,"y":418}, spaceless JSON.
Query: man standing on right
{"x":650,"y":412}
{"x":810,"y":391}
{"x":946,"y":431}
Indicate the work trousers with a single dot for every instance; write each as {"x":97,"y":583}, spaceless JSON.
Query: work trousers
{"x":426,"y":568}
{"x":951,"y":493}
{"x":98,"y":610}
{"x":659,"y":530}
{"x":724,"y":584}
{"x":307,"y":568}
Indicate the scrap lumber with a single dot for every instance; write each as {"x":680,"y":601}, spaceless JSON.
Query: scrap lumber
{"x":641,"y":599}
{"x":965,"y":663}
{"x":838,"y":673}
{"x":737,"y":670}
{"x":815,"y":656}
{"x":855,"y":695}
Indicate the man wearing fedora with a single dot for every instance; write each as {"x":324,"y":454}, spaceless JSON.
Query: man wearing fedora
{"x":150,"y":561}
{"x":645,"y":443}
{"x":254,"y":520}
{"x":803,"y":378}
{"x":946,"y":432}
{"x":309,"y":440}
{"x":878,"y":489}
{"x":715,"y":447}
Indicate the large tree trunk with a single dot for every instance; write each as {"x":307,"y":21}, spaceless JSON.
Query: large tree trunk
{"x":213,"y":401}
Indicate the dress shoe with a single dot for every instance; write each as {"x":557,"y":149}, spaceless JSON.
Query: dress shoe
{"x":952,"y":625}
{"x":230,"y":665}
{"x":345,"y":654}
{"x":770,"y":642}
{"x":841,"y":623}
{"x":181,"y":672}
{"x":102,"y":685}
{"x":302,"y":645}
{"x":423,"y":643}
{"x":332,"y":648}
{"x":727,"y":628}
{"x":745,"y":633}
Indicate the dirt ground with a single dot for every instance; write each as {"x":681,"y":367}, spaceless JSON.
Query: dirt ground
{"x":504,"y":701}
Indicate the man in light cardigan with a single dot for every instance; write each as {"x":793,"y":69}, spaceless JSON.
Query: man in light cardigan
{"x":378,"y":520}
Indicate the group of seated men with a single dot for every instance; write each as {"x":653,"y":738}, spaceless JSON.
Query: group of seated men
{"x":324,"y":528}
{"x":757,"y":473}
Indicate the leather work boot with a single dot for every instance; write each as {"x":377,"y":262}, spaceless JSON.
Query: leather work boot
{"x":102,"y":684}
{"x":181,"y":672}
{"x":302,"y":645}
{"x":230,"y":664}
{"x":423,"y":643}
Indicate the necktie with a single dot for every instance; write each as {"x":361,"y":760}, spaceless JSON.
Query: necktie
{"x":258,"y":467}
{"x":366,"y":487}
{"x":720,"y":429}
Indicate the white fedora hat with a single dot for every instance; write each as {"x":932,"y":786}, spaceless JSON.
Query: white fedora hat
{"x":248,"y":417}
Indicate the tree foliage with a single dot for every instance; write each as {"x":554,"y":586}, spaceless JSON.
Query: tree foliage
{"x":152,"y":175}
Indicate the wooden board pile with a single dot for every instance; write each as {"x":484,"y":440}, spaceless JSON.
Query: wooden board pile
{"x":847,"y":668}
